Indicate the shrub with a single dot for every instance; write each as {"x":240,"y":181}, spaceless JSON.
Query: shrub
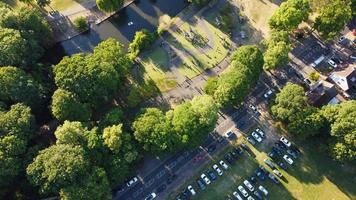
{"x":81,"y":24}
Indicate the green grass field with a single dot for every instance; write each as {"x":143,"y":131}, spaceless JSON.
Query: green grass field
{"x":312,"y":177}
{"x":155,"y":65}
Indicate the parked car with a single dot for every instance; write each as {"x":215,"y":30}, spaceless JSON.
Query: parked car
{"x":248,"y":185}
{"x":238,"y":150}
{"x":186,"y":193}
{"x":277,"y":150}
{"x":205,"y":178}
{"x":243,"y":191}
{"x":272,"y":155}
{"x":250,"y":140}
{"x":288,"y":159}
{"x":234,"y":154}
{"x":263,"y":169}
{"x":201,"y":184}
{"x":260,"y":174}
{"x":253,"y":108}
{"x":262,"y":134}
{"x":132,"y":181}
{"x":237,"y":196}
{"x":229,"y":159}
{"x":250,"y":198}
{"x":273,"y":178}
{"x":244,"y":146}
{"x":278,"y":173}
{"x":151,"y":196}
{"x":332,"y":63}
{"x":263,"y":190}
{"x":171,"y":178}
{"x":230,"y":135}
{"x":256,"y":136}
{"x":268,"y":94}
{"x":253,"y":179}
{"x":269,"y":163}
{"x":282,"y":165}
{"x":280,"y":145}
{"x":211,"y":148}
{"x":342,"y":40}
{"x":217,"y":169}
{"x":161,"y":188}
{"x":211,"y":175}
{"x":307,"y":81}
{"x":285,"y":141}
{"x":224,"y":165}
{"x":258,"y":195}
{"x":293,"y":153}
{"x":191,"y":190}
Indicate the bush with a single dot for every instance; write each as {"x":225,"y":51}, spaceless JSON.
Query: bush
{"x":314,"y":76}
{"x":142,"y":40}
{"x":81,"y":24}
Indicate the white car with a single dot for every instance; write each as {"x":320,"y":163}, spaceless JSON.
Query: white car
{"x":151,"y":196}
{"x":263,"y":190}
{"x":223,"y":164}
{"x":332,"y":63}
{"x":250,"y":198}
{"x":132,"y":181}
{"x":243,"y":191}
{"x":190,"y":188}
{"x":288,"y":159}
{"x":285,"y":141}
{"x":278,"y":173}
{"x":256,"y":136}
{"x":237,"y":196}
{"x":253,"y":108}
{"x":341,"y":39}
{"x":259,"y":131}
{"x":205,"y":178}
{"x":218,"y":170}
{"x":249,"y":186}
{"x":130,"y":23}
{"x":268,"y":94}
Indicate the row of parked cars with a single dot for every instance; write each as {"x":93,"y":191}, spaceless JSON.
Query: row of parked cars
{"x":257,"y":136}
{"x":212,"y":174}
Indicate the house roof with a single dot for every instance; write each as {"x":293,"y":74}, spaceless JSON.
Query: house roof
{"x":321,"y":93}
{"x":345,"y":79}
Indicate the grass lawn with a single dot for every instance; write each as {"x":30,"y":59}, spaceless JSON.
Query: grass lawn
{"x":64,"y":4}
{"x":194,"y":58}
{"x":313,"y":176}
{"x":155,"y":66}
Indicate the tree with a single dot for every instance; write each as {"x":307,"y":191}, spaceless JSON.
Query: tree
{"x":16,"y":86}
{"x":13,"y":48}
{"x":332,"y":17}
{"x":192,"y":121}
{"x":308,"y":122}
{"x":8,"y":17}
{"x":113,"y":117}
{"x":93,"y":186}
{"x":43,"y":3}
{"x":16,"y":128}
{"x":141,"y":41}
{"x":109,"y":5}
{"x":289,"y":15}
{"x":92,"y":80}
{"x":152,"y":129}
{"x":111,"y":136}
{"x":276,"y":55}
{"x":66,"y":106}
{"x":198,"y":2}
{"x":81,"y":24}
{"x":344,"y":131}
{"x":114,"y":53}
{"x":211,"y":85}
{"x":289,"y":101}
{"x":57,"y":167}
{"x":74,"y":133}
{"x":314,"y":76}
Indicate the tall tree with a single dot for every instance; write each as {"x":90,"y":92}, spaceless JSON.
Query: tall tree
{"x":18,"y":87}
{"x":141,"y":41}
{"x":276,"y":55}
{"x":57,"y":167}
{"x":66,"y":106}
{"x":289,"y":15}
{"x":289,"y":101}
{"x":332,"y":17}
{"x":109,"y":5}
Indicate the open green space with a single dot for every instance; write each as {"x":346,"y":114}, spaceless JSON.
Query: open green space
{"x":155,"y":66}
{"x":312,"y":176}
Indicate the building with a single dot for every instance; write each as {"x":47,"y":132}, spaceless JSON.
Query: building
{"x":322,"y":93}
{"x":346,"y":80}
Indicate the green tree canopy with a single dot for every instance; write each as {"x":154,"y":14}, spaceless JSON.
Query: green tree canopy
{"x":92,"y":80}
{"x":198,"y":2}
{"x":141,"y":41}
{"x":109,"y":5}
{"x":57,"y":167}
{"x":153,"y":130}
{"x":289,"y":101}
{"x":276,"y":55}
{"x":289,"y":15}
{"x":332,"y":17}
{"x":307,"y":122}
{"x":16,"y":86}
{"x":66,"y":106}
